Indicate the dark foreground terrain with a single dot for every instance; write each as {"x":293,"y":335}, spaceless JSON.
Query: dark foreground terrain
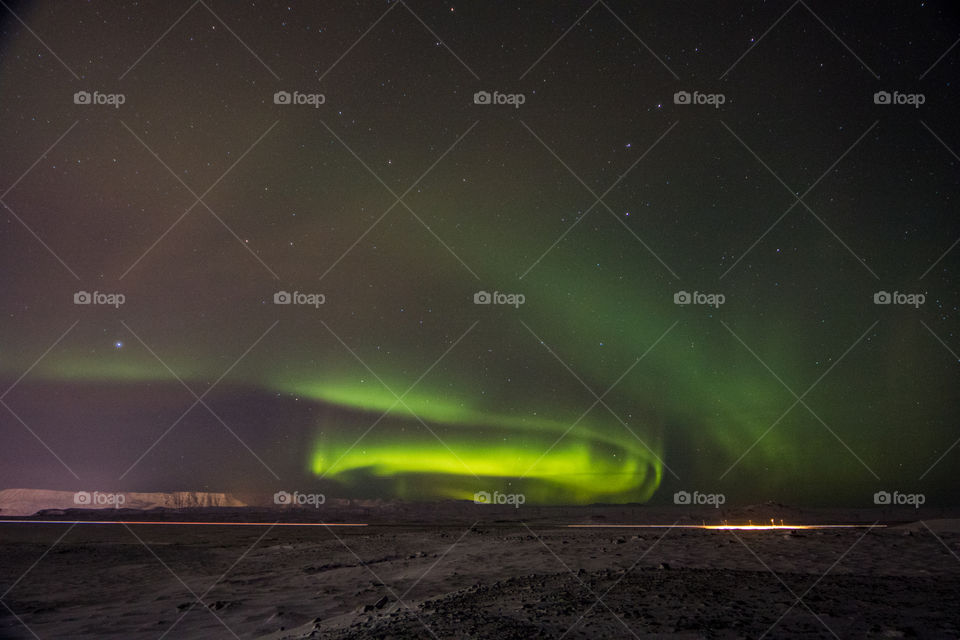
{"x":496,"y":578}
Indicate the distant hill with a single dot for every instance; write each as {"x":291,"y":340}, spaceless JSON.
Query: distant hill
{"x":26,"y":502}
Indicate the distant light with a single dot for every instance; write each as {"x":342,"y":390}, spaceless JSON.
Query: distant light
{"x":727,"y":527}
{"x":118,"y":344}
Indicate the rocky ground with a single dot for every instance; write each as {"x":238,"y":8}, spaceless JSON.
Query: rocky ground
{"x":498,"y":579}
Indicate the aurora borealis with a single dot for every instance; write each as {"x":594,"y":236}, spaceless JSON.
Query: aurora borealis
{"x":599,"y":198}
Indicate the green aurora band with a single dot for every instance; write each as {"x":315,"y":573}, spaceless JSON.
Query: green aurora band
{"x":557,"y":462}
{"x":539,"y":440}
{"x":504,"y":413}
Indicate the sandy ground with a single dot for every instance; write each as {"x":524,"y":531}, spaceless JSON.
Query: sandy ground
{"x":501,"y":578}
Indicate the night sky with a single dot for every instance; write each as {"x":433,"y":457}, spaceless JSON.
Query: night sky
{"x":398,"y":198}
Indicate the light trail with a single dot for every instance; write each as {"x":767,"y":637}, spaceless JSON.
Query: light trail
{"x":727,"y":527}
{"x":186,"y":523}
